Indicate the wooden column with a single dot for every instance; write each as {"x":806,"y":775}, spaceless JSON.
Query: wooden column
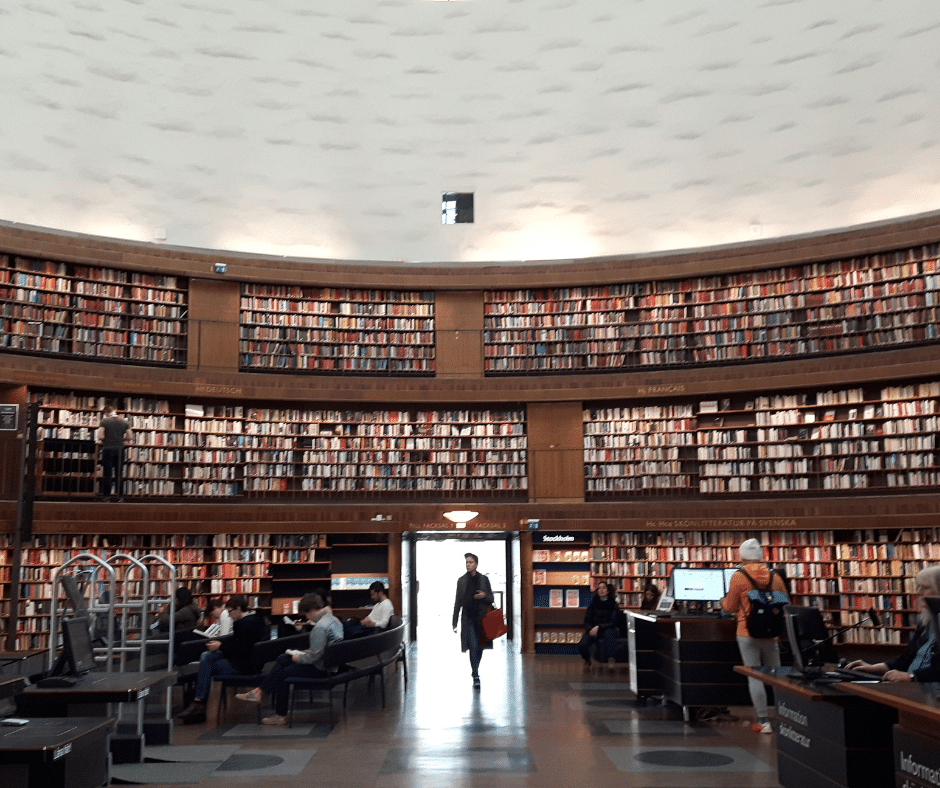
{"x":556,"y":452}
{"x":458,"y":317}
{"x":213,"y":324}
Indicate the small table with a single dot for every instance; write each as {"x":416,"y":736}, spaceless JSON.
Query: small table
{"x":51,"y":752}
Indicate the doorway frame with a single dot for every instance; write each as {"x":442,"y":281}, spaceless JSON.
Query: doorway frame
{"x":513,"y":582}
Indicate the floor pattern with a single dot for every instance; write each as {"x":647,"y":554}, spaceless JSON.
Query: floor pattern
{"x":538,"y":722}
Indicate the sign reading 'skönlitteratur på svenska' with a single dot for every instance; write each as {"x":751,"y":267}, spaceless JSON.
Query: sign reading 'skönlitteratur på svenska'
{"x":9,"y":417}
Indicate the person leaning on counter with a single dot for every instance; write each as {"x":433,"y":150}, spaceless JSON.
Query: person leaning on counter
{"x":921,"y":661}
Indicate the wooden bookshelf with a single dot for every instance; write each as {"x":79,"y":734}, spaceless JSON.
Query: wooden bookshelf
{"x":194,"y":449}
{"x":272,"y":570}
{"x":871,"y":439}
{"x":841,"y":572}
{"x":94,"y":312}
{"x":367,"y":332}
{"x":839,"y":306}
{"x":561,"y":589}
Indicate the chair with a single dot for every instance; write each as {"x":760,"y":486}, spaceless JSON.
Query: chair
{"x":264,"y":651}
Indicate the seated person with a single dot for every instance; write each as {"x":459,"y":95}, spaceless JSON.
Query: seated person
{"x":228,"y":657}
{"x":216,"y":613}
{"x":187,"y":616}
{"x":650,"y":596}
{"x":601,"y":625}
{"x":327,"y":629}
{"x":921,"y":661}
{"x":379,"y":615}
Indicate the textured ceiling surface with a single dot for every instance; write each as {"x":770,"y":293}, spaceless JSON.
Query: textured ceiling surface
{"x":330,"y":129}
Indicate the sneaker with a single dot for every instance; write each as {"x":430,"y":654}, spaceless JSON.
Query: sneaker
{"x":252,"y":696}
{"x":762,"y":727}
{"x":476,"y":683}
{"x":274,"y":719}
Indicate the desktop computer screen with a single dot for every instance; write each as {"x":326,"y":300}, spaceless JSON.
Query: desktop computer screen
{"x":76,"y":643}
{"x":811,"y":642}
{"x":697,"y":585}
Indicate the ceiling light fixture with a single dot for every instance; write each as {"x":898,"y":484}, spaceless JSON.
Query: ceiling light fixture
{"x":461,"y":517}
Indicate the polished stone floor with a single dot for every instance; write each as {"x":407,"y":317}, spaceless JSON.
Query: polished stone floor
{"x":536,"y":721}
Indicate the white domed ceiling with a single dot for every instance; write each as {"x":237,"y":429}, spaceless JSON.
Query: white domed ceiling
{"x":331,"y":128}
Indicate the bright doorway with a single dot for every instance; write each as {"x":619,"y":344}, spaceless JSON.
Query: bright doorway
{"x":439,"y":561}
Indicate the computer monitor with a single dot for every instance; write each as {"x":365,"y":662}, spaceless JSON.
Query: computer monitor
{"x":811,"y":642}
{"x":697,"y":585}
{"x":729,"y":573}
{"x":76,"y":644}
{"x":74,"y":595}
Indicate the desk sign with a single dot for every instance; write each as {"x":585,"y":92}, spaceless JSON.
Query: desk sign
{"x":9,"y":418}
{"x":843,"y":741}
{"x":916,"y":759}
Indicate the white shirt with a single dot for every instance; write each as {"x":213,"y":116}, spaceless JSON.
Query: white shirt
{"x":381,"y":612}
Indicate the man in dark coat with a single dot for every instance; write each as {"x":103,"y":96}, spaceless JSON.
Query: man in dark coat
{"x":473,"y":601}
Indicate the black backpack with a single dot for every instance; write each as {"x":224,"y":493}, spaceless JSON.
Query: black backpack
{"x":765,"y":619}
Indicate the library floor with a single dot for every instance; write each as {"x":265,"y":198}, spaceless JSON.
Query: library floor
{"x":536,"y":721}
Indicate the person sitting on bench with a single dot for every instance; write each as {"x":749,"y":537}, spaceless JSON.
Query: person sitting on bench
{"x":327,"y":629}
{"x":229,"y":657}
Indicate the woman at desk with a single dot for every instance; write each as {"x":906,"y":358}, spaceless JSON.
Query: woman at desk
{"x":921,"y":661}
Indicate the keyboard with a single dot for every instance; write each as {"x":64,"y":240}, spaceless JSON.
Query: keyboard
{"x":852,"y":675}
{"x":58,"y":682}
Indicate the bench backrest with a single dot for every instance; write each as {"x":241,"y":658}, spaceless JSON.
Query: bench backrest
{"x":265,"y":651}
{"x":346,"y":651}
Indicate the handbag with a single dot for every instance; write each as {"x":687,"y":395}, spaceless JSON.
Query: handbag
{"x":494,"y":625}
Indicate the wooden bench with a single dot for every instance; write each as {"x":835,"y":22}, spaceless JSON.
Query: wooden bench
{"x":349,"y":660}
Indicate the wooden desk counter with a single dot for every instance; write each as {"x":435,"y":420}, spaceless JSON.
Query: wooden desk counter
{"x":911,"y":699}
{"x":51,"y":752}
{"x":91,"y":688}
{"x":827,"y":738}
{"x":917,"y":734}
{"x":696,"y":660}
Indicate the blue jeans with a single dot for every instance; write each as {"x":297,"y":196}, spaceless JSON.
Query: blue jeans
{"x":606,"y":644}
{"x":112,"y":462}
{"x":212,"y":664}
{"x":274,"y":685}
{"x":476,"y":652}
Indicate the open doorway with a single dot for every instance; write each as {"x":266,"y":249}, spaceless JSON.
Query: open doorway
{"x":438,"y":560}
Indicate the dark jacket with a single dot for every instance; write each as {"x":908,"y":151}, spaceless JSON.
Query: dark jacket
{"x":602,"y":613}
{"x":186,"y":618}
{"x":473,"y":609}
{"x":929,"y":673}
{"x":237,"y":647}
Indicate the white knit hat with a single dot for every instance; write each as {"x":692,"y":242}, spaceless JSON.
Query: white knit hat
{"x":751,"y":550}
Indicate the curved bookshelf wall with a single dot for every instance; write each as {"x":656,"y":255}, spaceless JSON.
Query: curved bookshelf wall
{"x":836,"y":307}
{"x":808,"y":448}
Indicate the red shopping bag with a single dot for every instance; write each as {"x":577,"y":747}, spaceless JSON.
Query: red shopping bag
{"x":493,"y":624}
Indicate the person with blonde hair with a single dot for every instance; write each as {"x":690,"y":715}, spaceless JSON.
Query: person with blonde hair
{"x":920,"y":661}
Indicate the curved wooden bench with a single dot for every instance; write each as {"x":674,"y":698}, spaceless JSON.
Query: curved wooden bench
{"x":349,"y":660}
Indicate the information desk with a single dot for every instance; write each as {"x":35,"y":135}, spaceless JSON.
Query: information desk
{"x":696,"y":660}
{"x":91,"y":695}
{"x":826,"y":737}
{"x":55,"y":753}
{"x":917,"y":734}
